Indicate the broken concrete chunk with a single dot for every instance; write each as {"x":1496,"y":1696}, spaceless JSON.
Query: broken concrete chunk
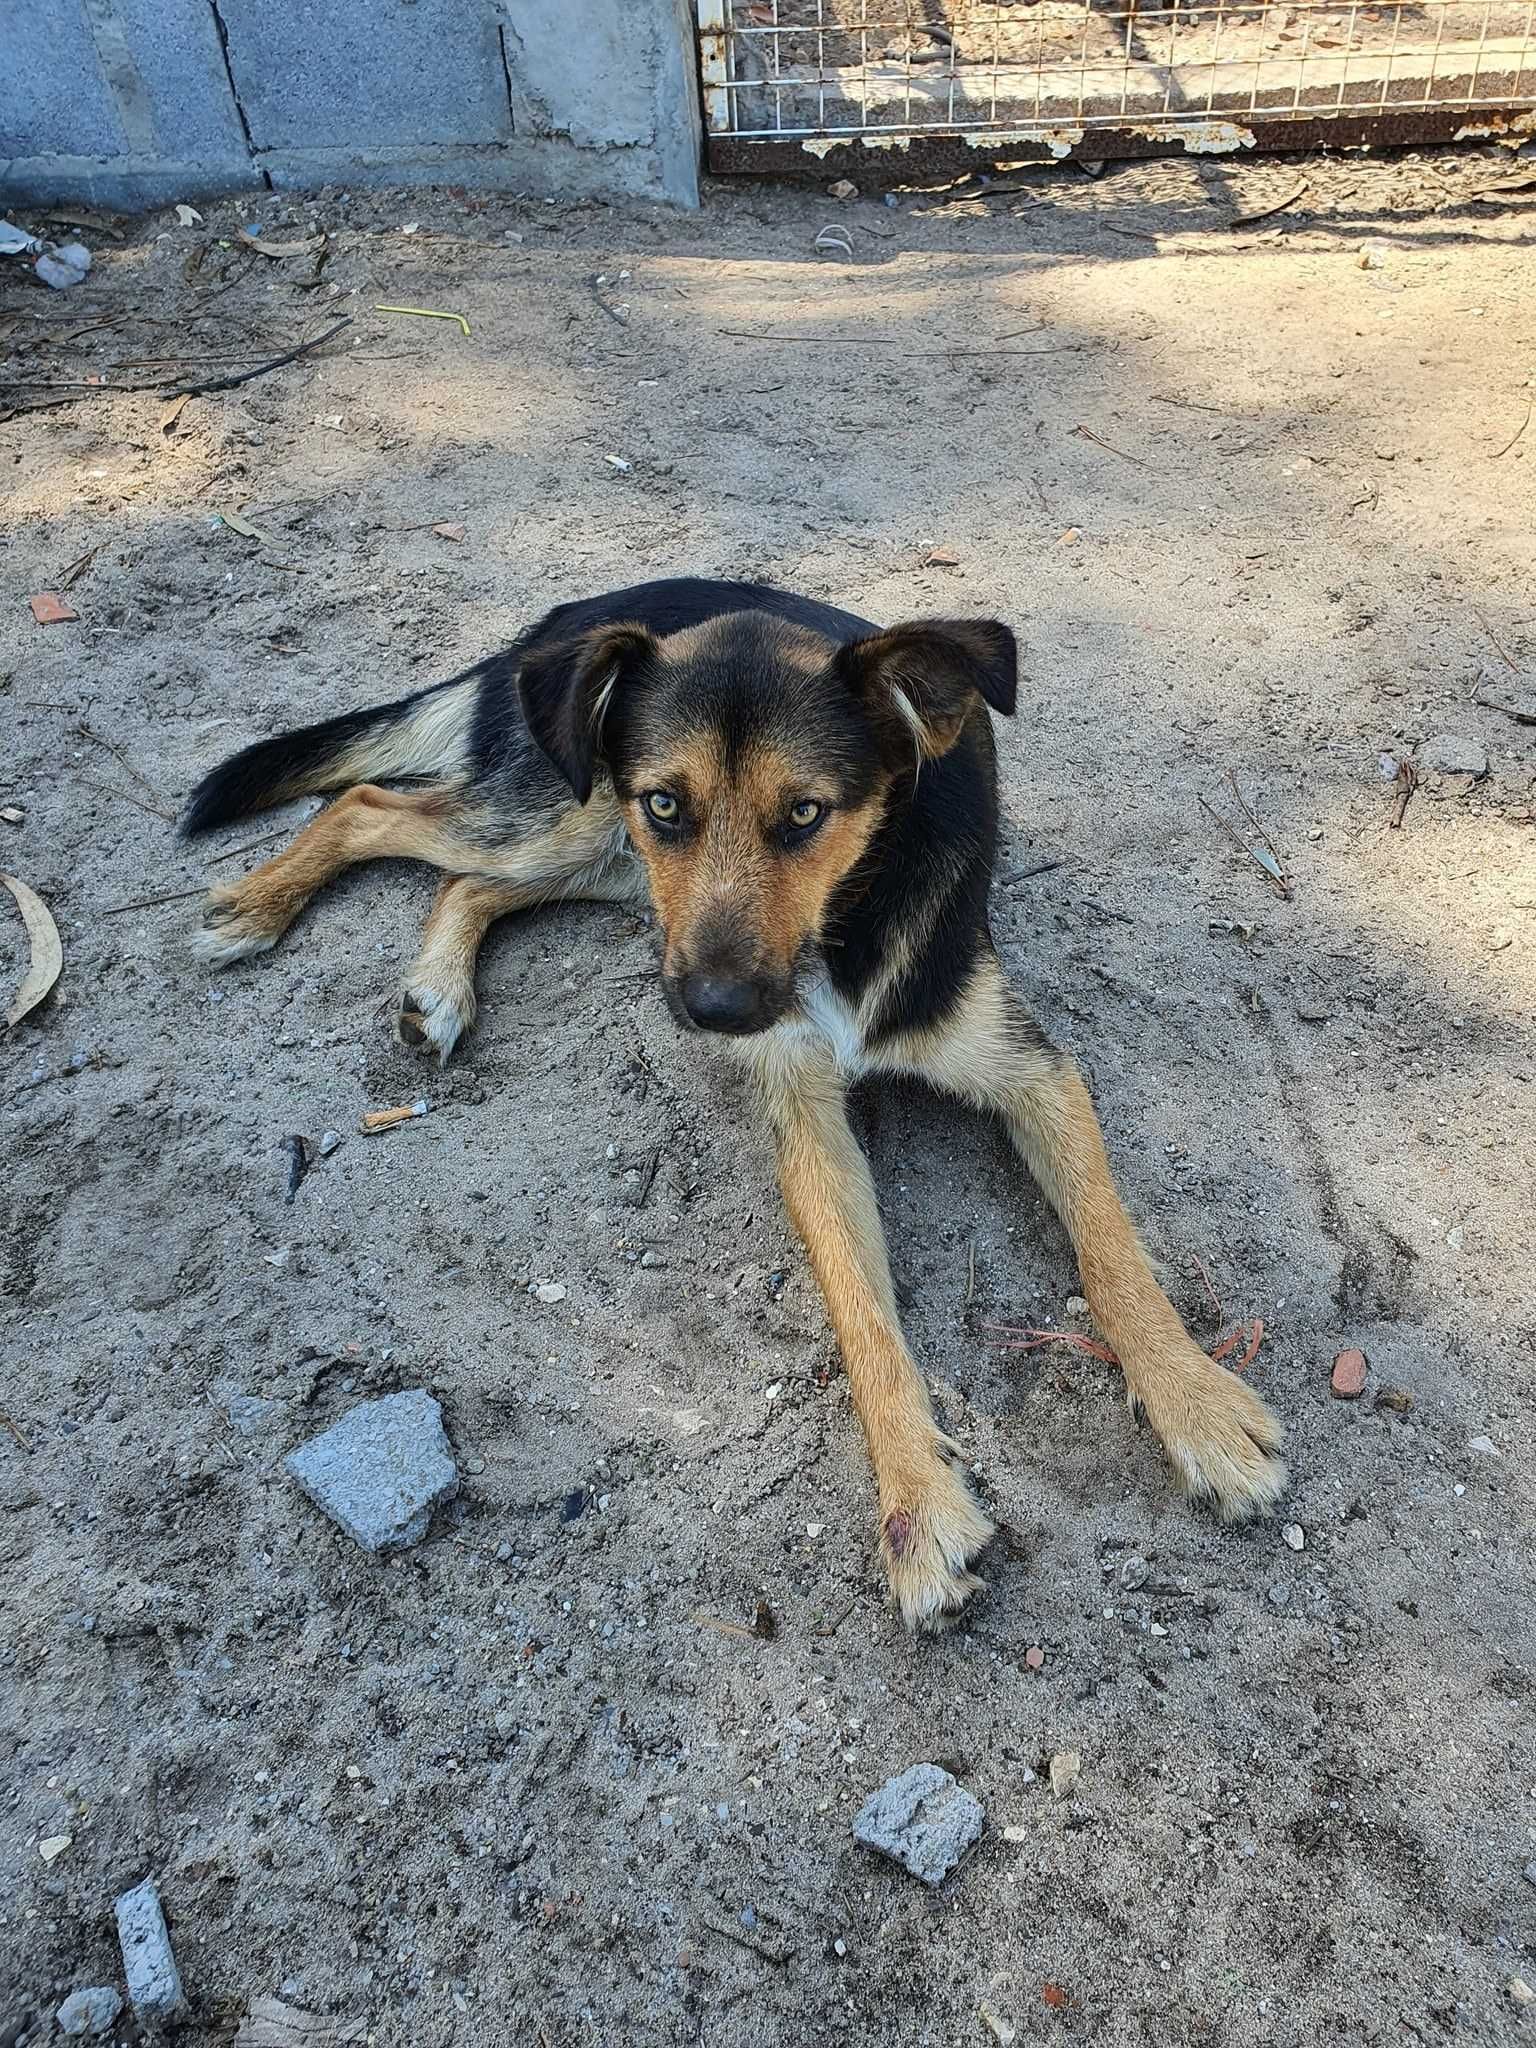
{"x":89,"y":2012}
{"x":381,"y":1470}
{"x":923,"y":1818}
{"x":154,"y":1982}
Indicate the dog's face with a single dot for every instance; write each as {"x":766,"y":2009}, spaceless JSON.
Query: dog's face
{"x":754,"y":761}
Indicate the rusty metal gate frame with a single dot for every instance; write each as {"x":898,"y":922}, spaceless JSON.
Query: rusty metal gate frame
{"x":907,"y":149}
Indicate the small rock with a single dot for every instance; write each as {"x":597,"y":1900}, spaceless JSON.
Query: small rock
{"x":149,"y":1965}
{"x":1133,"y":1573}
{"x":52,"y":1847}
{"x":1015,"y":1834}
{"x":1396,"y":1400}
{"x":1066,"y":1768}
{"x":843,"y":188}
{"x":89,"y":2012}
{"x":1034,"y":1657}
{"x":1484,"y":1446}
{"x":924,"y":1818}
{"x":1530,"y":1871}
{"x":1521,"y":1992}
{"x":650,"y":1259}
{"x":250,"y":1414}
{"x":1348,"y":1380}
{"x":1076,"y":1305}
{"x":1373,"y":256}
{"x":550,"y":1291}
{"x":329,"y":1140}
{"x":381,"y":1470}
{"x":1295,"y":1536}
{"x":1280,"y":1594}
{"x":1456,"y":753}
{"x":1004,"y":2032}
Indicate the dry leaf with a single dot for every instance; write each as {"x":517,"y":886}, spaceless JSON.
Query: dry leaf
{"x":1055,"y":1996}
{"x":1065,"y":1766}
{"x":173,"y":413}
{"x":449,"y":529}
{"x":281,"y":250}
{"x":49,"y":609}
{"x":47,"y":953}
{"x":238,"y":524}
{"x":271,"y":2024}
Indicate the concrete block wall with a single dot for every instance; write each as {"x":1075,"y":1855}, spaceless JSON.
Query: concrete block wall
{"x":132,"y":103}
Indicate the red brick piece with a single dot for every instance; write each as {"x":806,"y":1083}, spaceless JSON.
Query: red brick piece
{"x":1348,"y":1382}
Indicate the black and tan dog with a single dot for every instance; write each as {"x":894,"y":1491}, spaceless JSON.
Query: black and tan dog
{"x":810,"y":805}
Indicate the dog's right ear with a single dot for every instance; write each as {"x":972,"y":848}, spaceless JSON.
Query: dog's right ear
{"x":566,"y":689}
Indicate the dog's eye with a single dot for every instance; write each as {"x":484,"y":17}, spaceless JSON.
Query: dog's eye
{"x":662,"y":807}
{"x":805,"y":814}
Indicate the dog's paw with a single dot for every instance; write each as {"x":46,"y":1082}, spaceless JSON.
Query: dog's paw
{"x":1220,"y":1438}
{"x":229,"y":932}
{"x":930,"y":1532}
{"x":433,"y":1020}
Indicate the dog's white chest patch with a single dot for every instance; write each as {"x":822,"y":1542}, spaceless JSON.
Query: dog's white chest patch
{"x":830,"y":1017}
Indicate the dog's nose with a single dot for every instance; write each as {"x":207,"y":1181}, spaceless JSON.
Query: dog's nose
{"x":716,"y":1003}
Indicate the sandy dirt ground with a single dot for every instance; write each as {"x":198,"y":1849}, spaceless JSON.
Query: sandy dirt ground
{"x":1255,"y":510}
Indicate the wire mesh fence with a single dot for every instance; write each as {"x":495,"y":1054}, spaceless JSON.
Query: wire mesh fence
{"x":1065,"y":77}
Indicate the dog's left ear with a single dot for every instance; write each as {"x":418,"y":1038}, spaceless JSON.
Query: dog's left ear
{"x":925,"y":677}
{"x":566,"y":688}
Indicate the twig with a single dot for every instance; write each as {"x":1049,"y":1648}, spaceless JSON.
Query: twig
{"x":89,"y":732}
{"x":15,"y":1430}
{"x":1407,"y":783}
{"x":78,"y":568}
{"x":1194,"y":405}
{"x":1246,"y":220}
{"x":1260,"y":858}
{"x":149,"y":902}
{"x":231,"y":383}
{"x":1514,"y":437}
{"x":1087,"y":434}
{"x":649,"y":1180}
{"x":114,"y":789}
{"x":1498,"y":646}
{"x":1252,"y":816}
{"x":883,"y":341}
{"x":830,"y":1628}
{"x":1210,"y":1290}
{"x":1046,"y":867}
{"x":970,"y":1272}
{"x":250,"y":846}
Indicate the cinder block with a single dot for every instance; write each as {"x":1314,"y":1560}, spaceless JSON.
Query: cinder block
{"x":342,"y":73}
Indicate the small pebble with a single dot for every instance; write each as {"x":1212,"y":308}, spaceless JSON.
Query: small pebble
{"x":652,"y":1259}
{"x":1348,"y":1380}
{"x":1133,"y":1573}
{"x":1066,"y":1767}
{"x":1521,"y":1992}
{"x":1280,"y":1594}
{"x":1034,"y":1657}
{"x":1295,"y":1536}
{"x":329,"y":1140}
{"x":843,"y":188}
{"x":550,"y":1291}
{"x":1530,"y":1871}
{"x":1076,"y":1305}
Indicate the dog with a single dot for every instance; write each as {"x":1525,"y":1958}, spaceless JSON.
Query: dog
{"x":809,"y":803}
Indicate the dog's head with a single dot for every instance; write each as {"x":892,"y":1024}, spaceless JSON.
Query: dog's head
{"x":753,"y":761}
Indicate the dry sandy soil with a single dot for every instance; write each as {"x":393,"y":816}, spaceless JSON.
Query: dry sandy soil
{"x":1253,"y":508}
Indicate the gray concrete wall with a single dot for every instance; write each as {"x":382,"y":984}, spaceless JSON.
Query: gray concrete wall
{"x":131,"y":103}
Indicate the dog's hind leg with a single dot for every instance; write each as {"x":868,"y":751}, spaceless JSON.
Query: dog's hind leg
{"x":438,"y":1003}
{"x":1220,"y":1438}
{"x":367,"y":823}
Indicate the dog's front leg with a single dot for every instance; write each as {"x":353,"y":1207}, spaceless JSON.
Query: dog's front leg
{"x":1220,"y":1438}
{"x":930,"y":1525}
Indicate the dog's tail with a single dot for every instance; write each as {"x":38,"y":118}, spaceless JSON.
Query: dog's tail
{"x":424,"y":736}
